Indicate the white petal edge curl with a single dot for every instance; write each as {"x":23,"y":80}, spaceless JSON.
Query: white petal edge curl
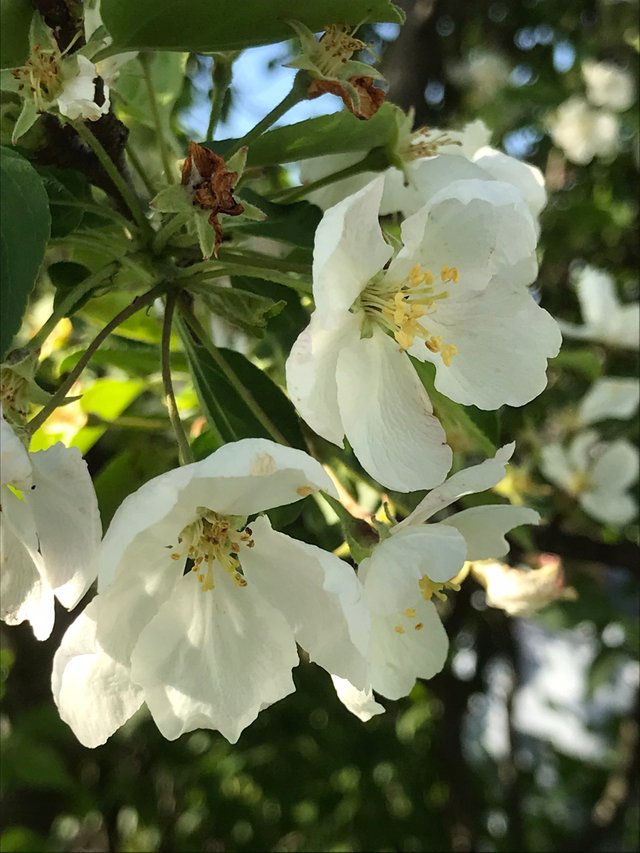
{"x":388,"y":417}
{"x":349,"y":250}
{"x":484,"y":528}
{"x":311,"y":374}
{"x":65,"y":509}
{"x":213,"y":659}
{"x":319,"y":595}
{"x":93,"y":691}
{"x":477,"y":478}
{"x":359,"y":702}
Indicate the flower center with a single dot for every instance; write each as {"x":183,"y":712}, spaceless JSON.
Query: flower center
{"x":429,"y":588}
{"x":425,"y":143}
{"x":580,"y":482}
{"x":403,"y":308}
{"x":213,"y":539}
{"x":41,"y":75}
{"x":335,"y":47}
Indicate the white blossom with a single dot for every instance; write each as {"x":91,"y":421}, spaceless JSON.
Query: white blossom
{"x":50,"y":531}
{"x":411,"y":567}
{"x":608,"y":85}
{"x":614,"y":397}
{"x":199,"y":610}
{"x":596,"y":473}
{"x":584,"y":132}
{"x":454,"y":295}
{"x":606,"y":319}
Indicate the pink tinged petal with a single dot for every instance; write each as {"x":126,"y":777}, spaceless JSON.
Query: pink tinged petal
{"x":349,"y":250}
{"x":214,"y":659}
{"x":388,"y":417}
{"x":319,"y":595}
{"x":93,"y":690}
{"x":255,"y":474}
{"x":484,"y":528}
{"x":15,"y":466}
{"x":477,"y":478}
{"x":24,"y":595}
{"x":311,"y":374}
{"x":503,"y":342}
{"x":391,"y":574}
{"x":616,"y":468}
{"x":359,"y":702}
{"x":397,"y":659}
{"x":65,"y":509}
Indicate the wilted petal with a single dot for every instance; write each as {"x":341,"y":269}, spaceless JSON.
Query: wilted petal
{"x":484,"y":527}
{"x":359,"y":702}
{"x":65,"y":509}
{"x":213,"y":659}
{"x":388,"y":417}
{"x":318,"y":594}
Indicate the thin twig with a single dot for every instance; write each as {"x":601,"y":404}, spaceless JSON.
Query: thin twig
{"x":184,"y":451}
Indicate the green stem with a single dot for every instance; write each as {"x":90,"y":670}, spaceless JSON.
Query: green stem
{"x":69,"y":301}
{"x":96,"y":210}
{"x":184,"y":451}
{"x":58,"y":398}
{"x":136,"y":162}
{"x":375,"y":161}
{"x":157,"y":120}
{"x":128,"y":196}
{"x":221,"y":79}
{"x":167,"y":231}
{"x":243,"y":392}
{"x":298,"y":93}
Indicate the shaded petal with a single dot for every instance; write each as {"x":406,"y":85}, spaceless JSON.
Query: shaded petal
{"x":390,"y":575}
{"x":477,"y":478}
{"x":616,"y":468}
{"x":311,"y":374}
{"x":349,"y":250}
{"x":93,"y":691}
{"x":397,"y":659}
{"x":597,"y":296}
{"x":319,"y":595}
{"x":581,"y":450}
{"x":484,"y":527}
{"x":214,"y":659}
{"x":503,"y":340}
{"x":65,"y":509}
{"x":359,"y":702}
{"x":424,"y":179}
{"x":556,"y":467}
{"x":388,"y":417}
{"x":15,"y":466}
{"x":610,"y":507}
{"x":611,"y":397}
{"x":23,"y":592}
{"x":527,"y":179}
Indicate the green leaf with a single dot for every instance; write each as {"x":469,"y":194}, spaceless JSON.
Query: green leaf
{"x":65,"y":188}
{"x":14,"y":33}
{"x":242,"y":308}
{"x":167,"y":72}
{"x":582,"y":360}
{"x":466,"y":426}
{"x":290,"y":223}
{"x":135,"y":360}
{"x":203,"y":26}
{"x":314,"y":137}
{"x":25,"y":225}
{"x":227,"y":414}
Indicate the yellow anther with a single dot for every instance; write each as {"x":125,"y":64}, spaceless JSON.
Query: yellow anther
{"x":398,"y":629}
{"x":429,"y":588}
{"x":433,"y":343}
{"x":419,"y":626}
{"x":450,"y":274}
{"x":447,"y":352}
{"x":303,"y":491}
{"x":176,"y":556}
{"x":410,"y":612}
{"x":239,"y":580}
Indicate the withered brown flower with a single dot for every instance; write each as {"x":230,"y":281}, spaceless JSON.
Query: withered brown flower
{"x":211,"y":184}
{"x":370,"y":97}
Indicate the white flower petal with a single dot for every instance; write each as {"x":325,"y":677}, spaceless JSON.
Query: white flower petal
{"x":610,"y":507}
{"x":424,"y":178}
{"x":556,"y":466}
{"x":24,"y":595}
{"x":484,"y":527}
{"x":318,"y":594}
{"x":477,"y":478}
{"x":311,"y":374}
{"x":527,"y":179}
{"x":213,"y":659}
{"x":391,"y":574}
{"x":65,"y":509}
{"x":616,"y":468}
{"x":610,"y":397}
{"x":15,"y":466}
{"x":503,"y":342}
{"x":397,"y":659}
{"x":77,"y":99}
{"x":597,"y":296}
{"x":359,"y":702}
{"x":93,"y":690}
{"x":349,"y":250}
{"x":387,"y":416}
